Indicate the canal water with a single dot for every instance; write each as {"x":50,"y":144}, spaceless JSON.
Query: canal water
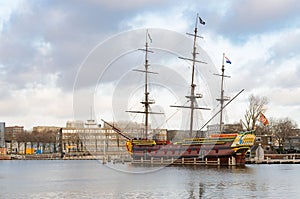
{"x":91,"y":179}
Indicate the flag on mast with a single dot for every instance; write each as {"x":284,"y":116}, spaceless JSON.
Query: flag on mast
{"x":227,"y":60}
{"x":263,"y":119}
{"x":201,"y":21}
{"x":149,"y":37}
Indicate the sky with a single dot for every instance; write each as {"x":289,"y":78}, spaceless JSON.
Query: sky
{"x":73,"y":60}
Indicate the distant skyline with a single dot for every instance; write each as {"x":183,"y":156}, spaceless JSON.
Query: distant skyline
{"x":45,"y":44}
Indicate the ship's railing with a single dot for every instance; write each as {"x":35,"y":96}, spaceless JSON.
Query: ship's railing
{"x":144,"y":142}
{"x":210,"y":140}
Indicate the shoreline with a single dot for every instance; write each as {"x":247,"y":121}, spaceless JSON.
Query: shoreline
{"x":284,"y":159}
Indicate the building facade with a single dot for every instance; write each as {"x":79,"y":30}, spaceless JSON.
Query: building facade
{"x":45,"y":129}
{"x":92,"y":139}
{"x":14,"y":130}
{"x":2,"y":131}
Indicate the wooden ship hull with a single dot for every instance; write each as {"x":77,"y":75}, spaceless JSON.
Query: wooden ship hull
{"x":223,"y":149}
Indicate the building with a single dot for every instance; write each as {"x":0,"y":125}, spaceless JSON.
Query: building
{"x":12,"y":133}
{"x":227,"y":128}
{"x":91,"y":124}
{"x":233,"y":128}
{"x":14,"y":130}
{"x":133,"y":129}
{"x":2,"y":131}
{"x":92,"y":139}
{"x":2,"y":138}
{"x":42,"y":129}
{"x":292,"y":144}
{"x":75,"y":124}
{"x":266,"y":142}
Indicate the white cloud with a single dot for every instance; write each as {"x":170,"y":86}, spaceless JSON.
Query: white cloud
{"x":42,"y":45}
{"x":266,"y":64}
{"x":128,"y":5}
{"x":172,"y":19}
{"x":6,"y":9}
{"x":37,"y":105}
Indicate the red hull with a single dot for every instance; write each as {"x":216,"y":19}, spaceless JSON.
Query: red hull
{"x":209,"y":152}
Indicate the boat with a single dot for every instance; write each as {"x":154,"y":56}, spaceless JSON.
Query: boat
{"x":219,"y":148}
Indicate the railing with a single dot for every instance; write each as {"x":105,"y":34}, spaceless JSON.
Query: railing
{"x":276,"y":159}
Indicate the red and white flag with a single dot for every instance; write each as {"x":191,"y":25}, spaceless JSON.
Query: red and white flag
{"x":263,"y":119}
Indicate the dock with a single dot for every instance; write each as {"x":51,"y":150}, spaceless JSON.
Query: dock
{"x":183,"y":161}
{"x":125,"y":158}
{"x":275,"y":159}
{"x":104,"y":158}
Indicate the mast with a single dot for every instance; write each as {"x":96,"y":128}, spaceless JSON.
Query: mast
{"x":222,"y":97}
{"x":193,"y":85}
{"x":147,"y":102}
{"x":192,"y":97}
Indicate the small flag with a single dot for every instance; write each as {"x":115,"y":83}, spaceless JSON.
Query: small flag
{"x":263,"y":119}
{"x":227,"y":60}
{"x":149,"y":37}
{"x":201,"y":21}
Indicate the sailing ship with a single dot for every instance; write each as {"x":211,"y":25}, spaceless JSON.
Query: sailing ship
{"x":223,"y":148}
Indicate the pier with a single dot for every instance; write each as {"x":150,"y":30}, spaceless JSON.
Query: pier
{"x":184,"y":161}
{"x":103,"y":157}
{"x":125,"y":158}
{"x":275,"y":159}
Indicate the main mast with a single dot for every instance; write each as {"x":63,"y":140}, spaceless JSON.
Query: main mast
{"x":193,"y":85}
{"x":192,"y":97}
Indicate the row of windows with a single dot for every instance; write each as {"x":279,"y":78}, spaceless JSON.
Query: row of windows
{"x":86,"y":130}
{"x":100,"y":138}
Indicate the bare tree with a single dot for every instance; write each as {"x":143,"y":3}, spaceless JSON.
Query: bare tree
{"x":283,"y":129}
{"x":264,"y":129}
{"x":257,"y":105}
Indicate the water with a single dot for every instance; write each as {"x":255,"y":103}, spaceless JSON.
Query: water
{"x":91,"y":179}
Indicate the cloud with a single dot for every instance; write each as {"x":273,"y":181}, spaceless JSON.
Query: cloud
{"x":36,"y":104}
{"x":172,"y":19}
{"x":51,"y":38}
{"x":244,"y":18}
{"x":43,"y":44}
{"x":128,"y":5}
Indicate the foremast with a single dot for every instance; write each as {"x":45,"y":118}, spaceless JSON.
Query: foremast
{"x":193,"y":96}
{"x":147,"y":102}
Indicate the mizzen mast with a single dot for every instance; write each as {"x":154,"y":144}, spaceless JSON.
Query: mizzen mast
{"x":222,"y":98}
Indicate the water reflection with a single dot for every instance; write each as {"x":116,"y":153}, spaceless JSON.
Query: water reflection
{"x":194,"y":189}
{"x":89,"y":179}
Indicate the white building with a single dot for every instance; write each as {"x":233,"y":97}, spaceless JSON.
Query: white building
{"x":91,"y":138}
